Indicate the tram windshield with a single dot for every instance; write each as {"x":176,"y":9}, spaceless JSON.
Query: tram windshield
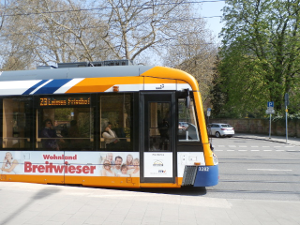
{"x":187,"y":125}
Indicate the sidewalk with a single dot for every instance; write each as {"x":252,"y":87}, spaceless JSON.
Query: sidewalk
{"x":279,"y":139}
{"x":37,"y":204}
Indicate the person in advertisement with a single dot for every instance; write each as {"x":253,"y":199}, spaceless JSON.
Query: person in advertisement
{"x":110,"y":158}
{"x":49,"y":133}
{"x":118,"y":163}
{"x":136,"y":171}
{"x":9,"y":164}
{"x":115,"y":164}
{"x":124,"y":171}
{"x":106,"y":171}
{"x":129,"y":162}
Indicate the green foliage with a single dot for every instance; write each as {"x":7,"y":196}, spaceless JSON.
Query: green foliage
{"x":259,"y":56}
{"x":290,"y":117}
{"x":63,"y":114}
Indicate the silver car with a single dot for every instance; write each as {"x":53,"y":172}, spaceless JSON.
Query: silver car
{"x":182,"y":126}
{"x":221,"y":130}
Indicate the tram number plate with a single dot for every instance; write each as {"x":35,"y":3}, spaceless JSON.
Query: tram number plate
{"x":203,"y":168}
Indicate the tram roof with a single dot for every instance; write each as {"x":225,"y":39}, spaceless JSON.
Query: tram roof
{"x":78,"y":72}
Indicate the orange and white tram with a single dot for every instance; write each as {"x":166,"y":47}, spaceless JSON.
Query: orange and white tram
{"x":104,"y":126}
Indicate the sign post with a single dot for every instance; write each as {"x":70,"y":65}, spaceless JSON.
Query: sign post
{"x":208,"y":112}
{"x":286,"y":102}
{"x":270,"y":110}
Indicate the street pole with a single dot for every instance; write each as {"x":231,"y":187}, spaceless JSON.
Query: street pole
{"x":286,"y":103}
{"x":286,"y":123}
{"x":270,"y":110}
{"x":270,"y":127}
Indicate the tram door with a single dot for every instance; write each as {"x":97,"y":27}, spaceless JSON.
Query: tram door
{"x":157,"y":126}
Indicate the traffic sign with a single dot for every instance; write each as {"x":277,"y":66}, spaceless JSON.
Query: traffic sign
{"x":271,"y":104}
{"x":270,"y":111}
{"x":208,"y":111}
{"x":286,"y":99}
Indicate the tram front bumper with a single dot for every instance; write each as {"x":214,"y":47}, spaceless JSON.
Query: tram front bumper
{"x":201,"y":176}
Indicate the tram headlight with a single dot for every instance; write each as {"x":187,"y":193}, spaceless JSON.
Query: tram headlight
{"x":215,"y":158}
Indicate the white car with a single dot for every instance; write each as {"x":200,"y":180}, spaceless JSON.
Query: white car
{"x":221,"y":130}
{"x":182,"y":126}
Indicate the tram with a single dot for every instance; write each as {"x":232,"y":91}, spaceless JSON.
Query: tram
{"x":104,"y":124}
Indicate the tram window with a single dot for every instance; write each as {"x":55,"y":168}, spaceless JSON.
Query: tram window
{"x":187,"y":125}
{"x":16,"y":123}
{"x":115,"y":122}
{"x":159,"y":130}
{"x":65,"y":128}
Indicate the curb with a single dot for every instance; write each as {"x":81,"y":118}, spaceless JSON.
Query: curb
{"x":267,"y":139}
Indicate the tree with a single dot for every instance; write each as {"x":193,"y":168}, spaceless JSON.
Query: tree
{"x":13,"y":63}
{"x":193,"y":50}
{"x":2,"y":17}
{"x":260,"y":59}
{"x":54,"y":31}
{"x":219,"y":95}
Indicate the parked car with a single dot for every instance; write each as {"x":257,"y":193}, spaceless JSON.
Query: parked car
{"x":182,"y":126}
{"x":221,"y":130}
{"x":187,"y":131}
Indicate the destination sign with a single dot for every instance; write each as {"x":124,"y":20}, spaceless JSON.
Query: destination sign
{"x":65,"y":101}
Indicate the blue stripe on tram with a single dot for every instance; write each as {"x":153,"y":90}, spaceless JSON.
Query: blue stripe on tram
{"x":34,"y":87}
{"x":52,"y":86}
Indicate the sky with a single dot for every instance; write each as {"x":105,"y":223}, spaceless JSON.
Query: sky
{"x":210,"y":9}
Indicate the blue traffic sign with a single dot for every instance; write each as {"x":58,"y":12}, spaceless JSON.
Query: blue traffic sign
{"x":208,"y":111}
{"x":270,"y":104}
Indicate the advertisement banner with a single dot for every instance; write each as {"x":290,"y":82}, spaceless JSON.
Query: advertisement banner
{"x":158,"y":164}
{"x":122,"y":164}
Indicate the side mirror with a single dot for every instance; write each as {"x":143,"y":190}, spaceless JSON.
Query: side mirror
{"x":187,"y":98}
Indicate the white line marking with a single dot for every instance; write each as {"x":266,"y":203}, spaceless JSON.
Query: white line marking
{"x":274,"y":170}
{"x":42,"y":85}
{"x":231,"y":146}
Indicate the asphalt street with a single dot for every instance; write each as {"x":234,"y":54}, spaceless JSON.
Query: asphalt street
{"x":259,"y":184}
{"x":257,"y":169}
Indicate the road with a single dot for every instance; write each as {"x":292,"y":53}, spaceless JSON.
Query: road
{"x":257,"y":169}
{"x":259,"y":184}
